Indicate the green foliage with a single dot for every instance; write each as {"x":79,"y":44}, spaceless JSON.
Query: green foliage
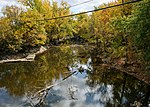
{"x":118,"y":31}
{"x":139,"y":24}
{"x":33,"y":32}
{"x":18,"y":31}
{"x":82,"y":26}
{"x":119,"y":43}
{"x":109,"y":30}
{"x":10,"y":41}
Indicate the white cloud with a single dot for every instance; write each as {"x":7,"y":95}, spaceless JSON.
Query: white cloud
{"x":4,"y":3}
{"x":86,"y":96}
{"x":80,"y":8}
{"x":8,"y":2}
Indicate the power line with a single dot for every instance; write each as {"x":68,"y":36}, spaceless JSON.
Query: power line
{"x":77,"y":4}
{"x":60,"y":17}
{"x":80,"y":3}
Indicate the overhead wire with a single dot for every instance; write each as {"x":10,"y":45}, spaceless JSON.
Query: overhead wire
{"x":71,"y":6}
{"x":80,"y":3}
{"x":90,"y":11}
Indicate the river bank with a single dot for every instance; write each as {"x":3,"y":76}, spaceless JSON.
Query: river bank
{"x":22,"y":57}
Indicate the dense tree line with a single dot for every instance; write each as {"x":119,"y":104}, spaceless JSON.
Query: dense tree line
{"x":120,"y":31}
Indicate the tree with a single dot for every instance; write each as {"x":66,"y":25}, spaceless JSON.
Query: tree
{"x":139,"y":24}
{"x":9,"y":40}
{"x":18,"y":31}
{"x":32,"y":31}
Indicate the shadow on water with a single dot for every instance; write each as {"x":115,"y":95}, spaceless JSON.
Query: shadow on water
{"x":90,"y":85}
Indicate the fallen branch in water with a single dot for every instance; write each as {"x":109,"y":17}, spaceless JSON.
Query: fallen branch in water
{"x":42,"y":94}
{"x":51,"y":86}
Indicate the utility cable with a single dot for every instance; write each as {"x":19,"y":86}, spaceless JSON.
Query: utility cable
{"x":71,"y":15}
{"x":79,"y":4}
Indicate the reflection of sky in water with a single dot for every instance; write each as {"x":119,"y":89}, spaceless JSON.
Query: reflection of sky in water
{"x":77,"y":90}
{"x":77,"y":65}
{"x":10,"y":101}
{"x":74,"y":92}
{"x":84,"y":95}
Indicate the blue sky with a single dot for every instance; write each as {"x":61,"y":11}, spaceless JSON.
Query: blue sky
{"x":76,"y":9}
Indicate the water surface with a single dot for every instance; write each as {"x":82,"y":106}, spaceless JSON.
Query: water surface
{"x":91,"y":85}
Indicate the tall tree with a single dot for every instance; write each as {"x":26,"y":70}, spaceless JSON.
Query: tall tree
{"x":139,"y":24}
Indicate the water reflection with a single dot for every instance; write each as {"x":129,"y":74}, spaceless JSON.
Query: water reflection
{"x":93,"y":85}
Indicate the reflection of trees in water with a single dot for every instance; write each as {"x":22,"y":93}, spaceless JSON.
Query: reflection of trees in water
{"x":18,"y":78}
{"x":126,"y":89}
{"x":29,"y":77}
{"x":22,"y":78}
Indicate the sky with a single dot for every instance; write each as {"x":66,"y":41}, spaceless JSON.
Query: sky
{"x":76,"y":9}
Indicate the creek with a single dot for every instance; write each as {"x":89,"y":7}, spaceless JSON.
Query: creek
{"x":69,"y":76}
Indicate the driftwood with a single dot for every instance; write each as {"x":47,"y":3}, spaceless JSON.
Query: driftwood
{"x":51,"y":86}
{"x":42,"y":94}
{"x":29,"y":58}
{"x":15,"y":60}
